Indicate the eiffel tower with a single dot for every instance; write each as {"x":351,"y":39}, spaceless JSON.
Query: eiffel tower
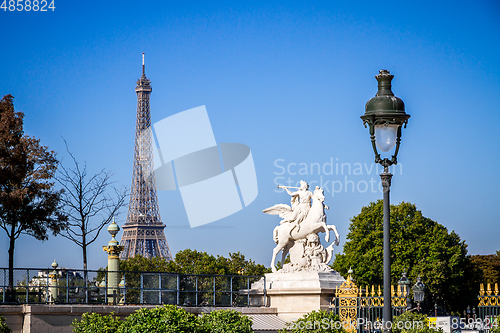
{"x":143,"y":232}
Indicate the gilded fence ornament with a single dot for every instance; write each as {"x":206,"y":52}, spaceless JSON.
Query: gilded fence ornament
{"x":348,"y":303}
{"x":482,"y":298}
{"x":354,"y":301}
{"x":488,"y":297}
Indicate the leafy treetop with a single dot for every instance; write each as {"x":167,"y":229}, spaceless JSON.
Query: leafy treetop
{"x":28,"y":203}
{"x":419,"y":245}
{"x":194,"y":262}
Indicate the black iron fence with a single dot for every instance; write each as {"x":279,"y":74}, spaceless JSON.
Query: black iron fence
{"x":69,"y":286}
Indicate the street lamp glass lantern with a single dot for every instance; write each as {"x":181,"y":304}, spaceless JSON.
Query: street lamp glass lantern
{"x":385,"y":116}
{"x":419,"y":290}
{"x":385,"y":136}
{"x":404,"y":282}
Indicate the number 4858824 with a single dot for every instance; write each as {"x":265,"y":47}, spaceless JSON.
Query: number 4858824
{"x":27,"y":5}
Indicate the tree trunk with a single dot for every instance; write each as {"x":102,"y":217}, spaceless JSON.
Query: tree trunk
{"x":85,"y":277}
{"x":84,"y":248}
{"x":10,"y":290}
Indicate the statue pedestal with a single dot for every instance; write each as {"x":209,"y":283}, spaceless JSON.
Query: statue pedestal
{"x":295,"y":294}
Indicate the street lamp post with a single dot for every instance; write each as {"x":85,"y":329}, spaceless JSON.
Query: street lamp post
{"x":385,"y":116}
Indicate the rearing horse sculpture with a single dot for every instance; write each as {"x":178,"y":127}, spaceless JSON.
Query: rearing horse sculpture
{"x":314,"y":222}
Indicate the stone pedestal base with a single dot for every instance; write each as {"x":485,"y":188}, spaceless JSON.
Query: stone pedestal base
{"x":298,"y":293}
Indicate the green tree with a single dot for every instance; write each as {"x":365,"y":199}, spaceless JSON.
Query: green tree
{"x":489,"y":265}
{"x":194,"y":262}
{"x":28,"y":202}
{"x":419,"y":245}
{"x":143,"y":264}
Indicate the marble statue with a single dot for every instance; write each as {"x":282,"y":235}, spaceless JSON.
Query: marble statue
{"x":297,"y":233}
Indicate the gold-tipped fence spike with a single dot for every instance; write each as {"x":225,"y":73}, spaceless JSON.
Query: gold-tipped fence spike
{"x":392,"y":291}
{"x":373,"y":291}
{"x":488,"y":289}
{"x":481,"y":289}
{"x":400,"y":293}
{"x":496,"y":289}
{"x":379,"y":292}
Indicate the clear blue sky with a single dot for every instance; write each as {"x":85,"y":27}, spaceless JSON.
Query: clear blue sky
{"x":290,"y":80}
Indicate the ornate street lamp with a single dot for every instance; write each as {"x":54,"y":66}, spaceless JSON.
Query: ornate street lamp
{"x":404,"y":282}
{"x":419,"y":292}
{"x":385,"y":116}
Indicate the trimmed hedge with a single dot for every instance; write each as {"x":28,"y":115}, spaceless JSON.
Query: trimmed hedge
{"x":225,"y":321}
{"x":316,"y":322}
{"x":96,"y":323}
{"x":411,"y":322}
{"x":167,"y":318}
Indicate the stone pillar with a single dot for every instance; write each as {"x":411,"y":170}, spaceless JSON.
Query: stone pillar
{"x":113,"y":250}
{"x":53,"y":282}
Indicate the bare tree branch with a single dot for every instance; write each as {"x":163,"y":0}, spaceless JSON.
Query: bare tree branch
{"x":89,"y":202}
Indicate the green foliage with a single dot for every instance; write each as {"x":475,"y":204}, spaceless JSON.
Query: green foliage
{"x":143,"y":264}
{"x":28,"y":202}
{"x":419,"y":245}
{"x":411,"y":322}
{"x":96,"y":323}
{"x":497,"y":328}
{"x":489,"y":266}
{"x":225,"y":321}
{"x":167,"y":318}
{"x":279,"y":265}
{"x":315,"y":322}
{"x":194,"y":262}
{"x":3,"y":326}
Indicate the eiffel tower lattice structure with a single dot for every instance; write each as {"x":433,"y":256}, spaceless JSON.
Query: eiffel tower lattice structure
{"x":143,"y":232}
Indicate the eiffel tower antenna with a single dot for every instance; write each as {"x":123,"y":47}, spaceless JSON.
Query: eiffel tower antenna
{"x":143,"y":66}
{"x":143,"y":232}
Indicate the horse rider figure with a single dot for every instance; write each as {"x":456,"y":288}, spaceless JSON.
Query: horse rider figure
{"x":301,"y":203}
